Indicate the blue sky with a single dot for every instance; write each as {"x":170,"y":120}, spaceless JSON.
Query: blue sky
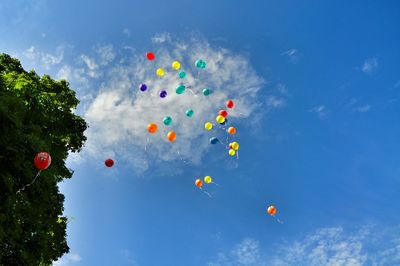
{"x":318,"y":125}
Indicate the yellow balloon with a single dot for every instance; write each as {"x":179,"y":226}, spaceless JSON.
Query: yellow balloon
{"x":176,"y":65}
{"x":208,"y":179}
{"x":232,"y":152}
{"x":235,"y":146}
{"x":220,"y":119}
{"x":160,"y":72}
{"x":208,"y":126}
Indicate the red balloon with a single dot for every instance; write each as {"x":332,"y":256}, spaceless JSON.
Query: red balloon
{"x":230,"y":103}
{"x":150,"y":56}
{"x":223,"y":113}
{"x":109,"y":162}
{"x":42,"y":160}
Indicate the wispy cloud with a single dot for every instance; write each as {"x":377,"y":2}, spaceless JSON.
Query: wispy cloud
{"x":128,"y":257}
{"x":246,"y":252}
{"x":47,"y":60}
{"x":161,"y":38}
{"x":370,"y":66}
{"x":332,"y":246}
{"x":126,"y":32}
{"x":119,"y":113}
{"x":320,"y":110}
{"x":363,"y":108}
{"x":91,"y":65}
{"x":106,"y":54}
{"x":68,"y":259}
{"x":292,"y":54}
{"x":275,"y":102}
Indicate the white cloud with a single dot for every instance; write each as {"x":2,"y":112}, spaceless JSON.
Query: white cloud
{"x":119,"y":114}
{"x":370,"y":65}
{"x":68,"y":259}
{"x":161,"y":38}
{"x":331,"y":246}
{"x":292,"y":54}
{"x":47,"y":60}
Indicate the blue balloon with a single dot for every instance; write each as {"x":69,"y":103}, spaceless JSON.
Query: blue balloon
{"x":226,"y":121}
{"x":214,"y":140}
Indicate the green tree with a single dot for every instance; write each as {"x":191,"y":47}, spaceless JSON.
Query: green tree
{"x":35,"y":115}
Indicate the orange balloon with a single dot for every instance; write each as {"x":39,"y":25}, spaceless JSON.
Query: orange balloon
{"x":152,"y":128}
{"x":171,"y":136}
{"x":232,"y":130}
{"x":271,"y":210}
{"x":198,"y":183}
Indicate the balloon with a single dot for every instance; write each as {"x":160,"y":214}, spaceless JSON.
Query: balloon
{"x":208,"y":126}
{"x":200,"y":63}
{"x":230,"y":145}
{"x":163,"y":93}
{"x":226,"y":121}
{"x":150,"y":56}
{"x":230,"y":103}
{"x":152,"y":128}
{"x":232,"y":152}
{"x":42,"y":160}
{"x":220,"y":119}
{"x":171,"y":136}
{"x":223,"y":113}
{"x":214,"y":140}
{"x":189,"y":113}
{"x":235,"y":146}
{"x":208,"y":179}
{"x":198,"y":183}
{"x":180,"y":89}
{"x":109,"y":162}
{"x":143,"y":87}
{"x":182,"y":74}
{"x":272,"y":210}
{"x":167,"y":120}
{"x":207,"y":91}
{"x":176,"y":65}
{"x":160,"y":72}
{"x":231,"y":130}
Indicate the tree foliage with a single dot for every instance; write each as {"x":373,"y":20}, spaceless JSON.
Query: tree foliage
{"x":35,"y":115}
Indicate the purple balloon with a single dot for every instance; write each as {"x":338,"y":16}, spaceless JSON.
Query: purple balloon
{"x":163,"y":93}
{"x":143,"y":87}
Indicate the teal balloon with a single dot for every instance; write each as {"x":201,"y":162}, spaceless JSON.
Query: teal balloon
{"x":189,"y":112}
{"x":180,"y":89}
{"x":167,"y":120}
{"x":206,"y":91}
{"x":200,"y":63}
{"x":182,"y":74}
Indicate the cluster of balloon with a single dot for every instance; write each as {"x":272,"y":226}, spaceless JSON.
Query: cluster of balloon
{"x":199,"y":183}
{"x":272,"y":211}
{"x":42,"y":161}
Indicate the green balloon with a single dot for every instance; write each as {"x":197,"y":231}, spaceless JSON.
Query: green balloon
{"x":200,"y":63}
{"x":182,"y":74}
{"x":206,"y":91}
{"x":167,"y":120}
{"x":180,"y":89}
{"x":189,"y":112}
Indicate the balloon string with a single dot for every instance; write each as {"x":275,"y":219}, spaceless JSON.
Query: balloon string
{"x":181,"y":158}
{"x":215,"y":184}
{"x":145,"y":145}
{"x":277,"y":219}
{"x":208,"y":194}
{"x":28,"y":185}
